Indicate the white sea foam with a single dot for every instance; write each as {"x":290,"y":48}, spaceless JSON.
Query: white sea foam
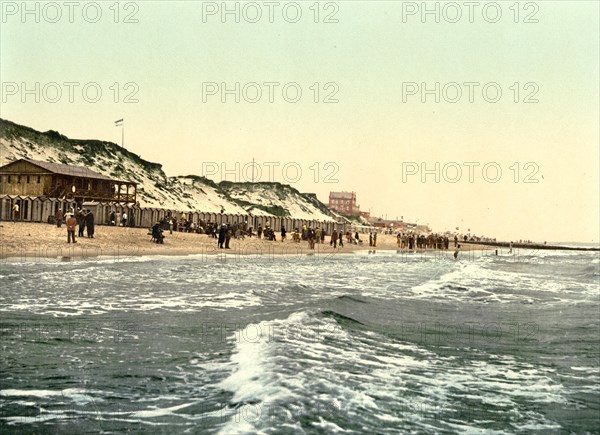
{"x":158,"y":412}
{"x":76,"y":394}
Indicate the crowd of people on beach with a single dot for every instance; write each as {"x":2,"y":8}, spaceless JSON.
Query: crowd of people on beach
{"x":83,"y":222}
{"x":84,"y":219}
{"x":120,"y":219}
{"x":412,"y":241}
{"x":224,"y":233}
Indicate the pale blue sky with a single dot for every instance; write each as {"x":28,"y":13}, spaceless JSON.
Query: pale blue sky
{"x":370,"y":132}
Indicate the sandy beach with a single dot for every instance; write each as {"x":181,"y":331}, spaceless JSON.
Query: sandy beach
{"x":23,"y":241}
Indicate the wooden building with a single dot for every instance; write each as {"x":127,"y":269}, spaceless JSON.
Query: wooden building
{"x":34,"y":178}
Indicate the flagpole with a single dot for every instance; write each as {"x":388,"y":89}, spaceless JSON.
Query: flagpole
{"x":121,"y":123}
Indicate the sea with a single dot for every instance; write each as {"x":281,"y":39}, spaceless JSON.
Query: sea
{"x":374,"y":342}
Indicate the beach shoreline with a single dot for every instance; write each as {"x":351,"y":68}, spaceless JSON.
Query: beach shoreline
{"x":24,"y":241}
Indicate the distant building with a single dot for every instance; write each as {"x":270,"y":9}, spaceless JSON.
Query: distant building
{"x":35,"y":178}
{"x":385,"y":223}
{"x":398,"y":225}
{"x":344,"y":203}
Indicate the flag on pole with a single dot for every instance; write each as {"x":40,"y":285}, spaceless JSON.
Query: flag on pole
{"x":119,"y":123}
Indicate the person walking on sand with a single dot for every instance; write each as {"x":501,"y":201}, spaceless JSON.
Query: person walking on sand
{"x":370,"y":239}
{"x":283,"y":232}
{"x":375,"y":239}
{"x":334,"y":237}
{"x":341,"y":239}
{"x":71,"y":225}
{"x":124,"y":220}
{"x":510,"y":248}
{"x":58,"y":217}
{"x":15,"y":211}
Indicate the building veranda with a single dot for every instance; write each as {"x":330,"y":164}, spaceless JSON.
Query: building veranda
{"x":57,"y":184}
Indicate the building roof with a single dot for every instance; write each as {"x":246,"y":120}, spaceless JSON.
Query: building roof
{"x":341,"y":195}
{"x":59,"y":168}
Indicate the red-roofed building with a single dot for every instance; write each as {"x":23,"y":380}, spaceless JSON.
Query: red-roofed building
{"x":344,"y":203}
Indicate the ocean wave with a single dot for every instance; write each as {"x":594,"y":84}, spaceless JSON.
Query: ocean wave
{"x":351,"y":299}
{"x":351,"y":375}
{"x":340,"y":318}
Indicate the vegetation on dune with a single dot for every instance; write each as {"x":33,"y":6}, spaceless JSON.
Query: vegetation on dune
{"x":112,"y":160}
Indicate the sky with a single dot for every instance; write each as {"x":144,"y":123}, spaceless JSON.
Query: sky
{"x":482,"y":117}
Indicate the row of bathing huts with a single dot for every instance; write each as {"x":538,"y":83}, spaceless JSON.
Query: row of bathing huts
{"x":36,"y":209}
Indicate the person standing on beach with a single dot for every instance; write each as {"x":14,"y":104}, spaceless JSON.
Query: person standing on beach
{"x":228,"y":233}
{"x":58,"y":217}
{"x":259,"y":232}
{"x":283,"y":233}
{"x":221,"y":239}
{"x":370,"y":239}
{"x":89,"y":224}
{"x":71,"y":225}
{"x":80,"y":222}
{"x":375,"y":239}
{"x":124,"y":219}
{"x":15,"y":211}
{"x":341,"y":237}
{"x":310,"y":235}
